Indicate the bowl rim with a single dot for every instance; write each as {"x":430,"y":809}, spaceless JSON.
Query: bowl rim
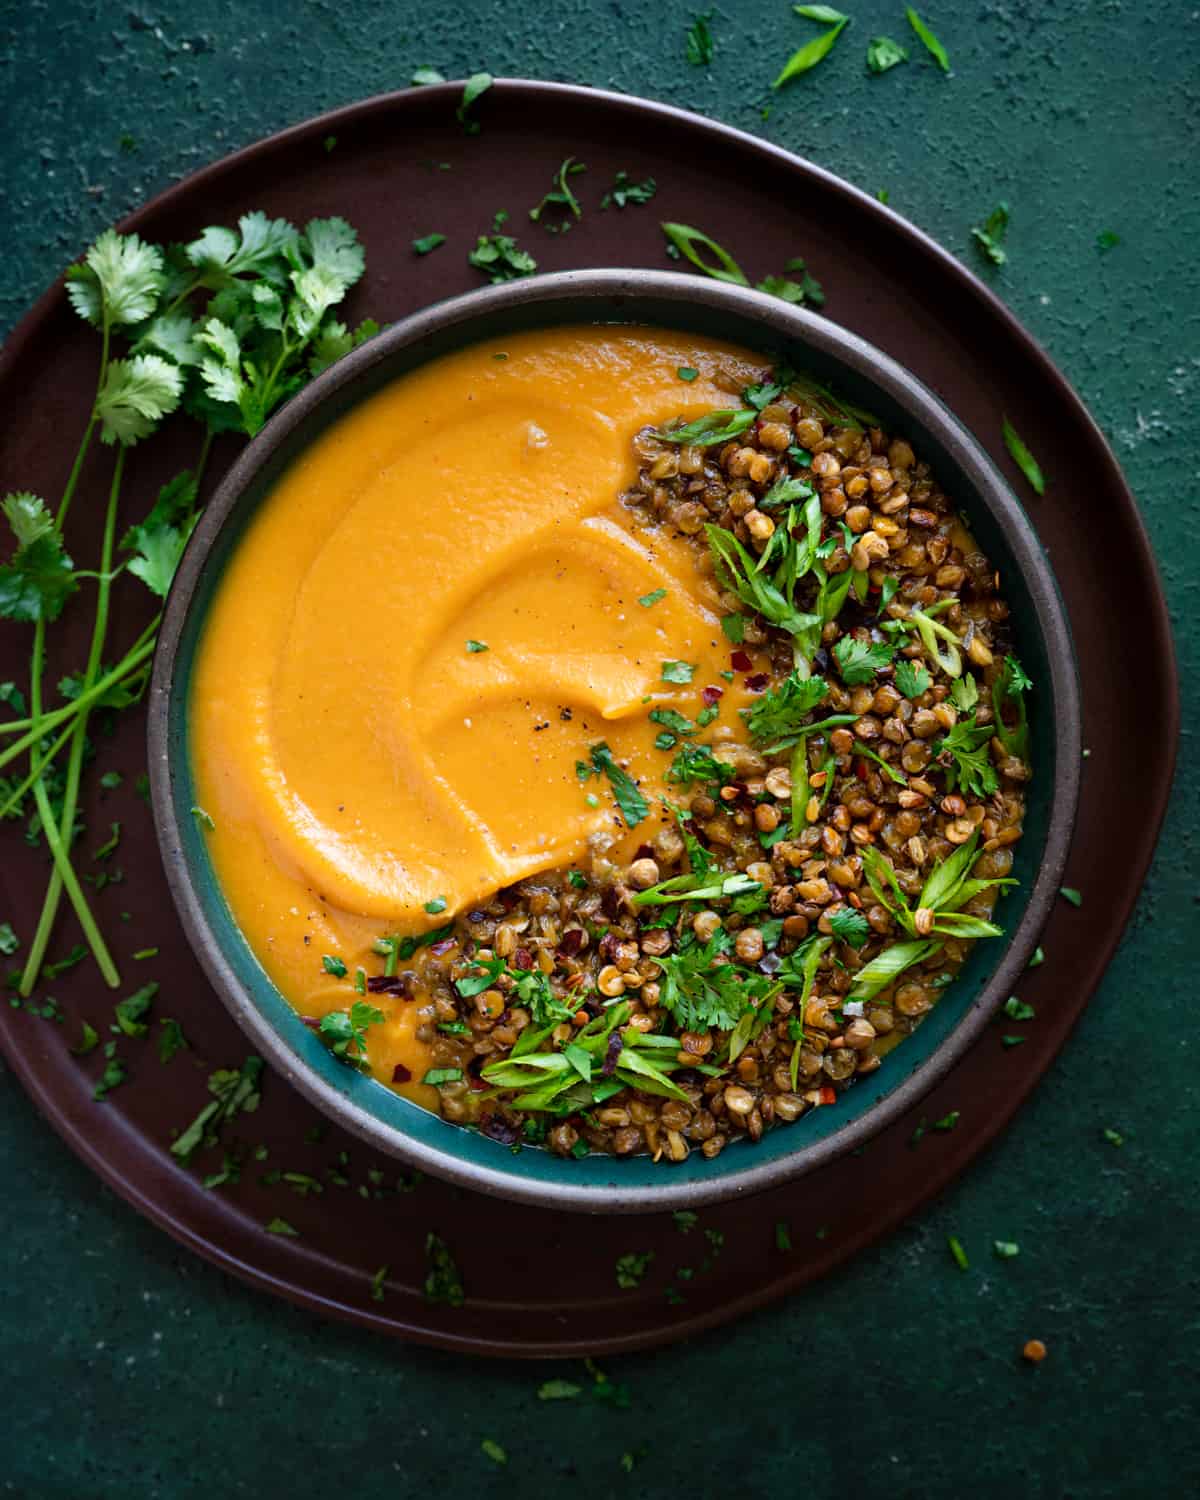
{"x":778,"y":321}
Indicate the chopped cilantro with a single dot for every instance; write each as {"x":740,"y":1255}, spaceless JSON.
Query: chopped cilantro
{"x":436,"y":906}
{"x":1039,"y":958}
{"x":629,"y":799}
{"x":428,"y":242}
{"x":883,"y":53}
{"x":989,"y":234}
{"x":171,"y":1039}
{"x":781,"y":711}
{"x":334,"y":966}
{"x":647,"y":601}
{"x":1069,"y":893}
{"x":696,"y":763}
{"x":1018,"y":1010}
{"x":558,"y":1390}
{"x":783,"y":1237}
{"x":234,"y":1092}
{"x":632,"y":1268}
{"x":1006,"y":1249}
{"x":88,"y":1041}
{"x":345,"y":1031}
{"x":948,"y":1122}
{"x":494,"y":1451}
{"x":9,"y":941}
{"x":1014,"y":1041}
{"x":678,"y":671}
{"x":477,"y":84}
{"x":203,"y":820}
{"x":687,"y":374}
{"x":499,"y":257}
{"x":423,"y":76}
{"x":1113,"y":1137}
{"x":685,"y":1220}
{"x":281,"y":1226}
{"x":959,"y":1254}
{"x":734,"y":628}
{"x":1107,"y":239}
{"x":377,"y":1283}
{"x":624,"y":191}
{"x":561,"y":196}
{"x":443,"y":1282}
{"x":850,"y":926}
{"x":111,"y":780}
{"x":132,"y":1011}
{"x":113,"y":1076}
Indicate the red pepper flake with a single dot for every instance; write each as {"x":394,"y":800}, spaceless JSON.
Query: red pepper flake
{"x":758,"y":682}
{"x":740,"y":661}
{"x":478,"y":1085}
{"x":523,"y":959}
{"x":389,"y":984}
{"x":711,"y":695}
{"x":828,"y":1096}
{"x":644,"y":851}
{"x":401,"y":1074}
{"x":861,"y":767}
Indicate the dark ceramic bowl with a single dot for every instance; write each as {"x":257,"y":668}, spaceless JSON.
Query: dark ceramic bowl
{"x":602,"y":1184}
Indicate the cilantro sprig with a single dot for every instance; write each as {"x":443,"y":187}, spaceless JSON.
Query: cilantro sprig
{"x":224,"y":328}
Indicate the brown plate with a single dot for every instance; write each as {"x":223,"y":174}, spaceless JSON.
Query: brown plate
{"x":884,"y":280}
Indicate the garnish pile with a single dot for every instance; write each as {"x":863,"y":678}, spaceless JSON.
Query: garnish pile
{"x":831,"y":854}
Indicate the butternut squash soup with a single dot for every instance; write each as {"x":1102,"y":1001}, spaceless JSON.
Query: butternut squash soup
{"x":592,"y":729}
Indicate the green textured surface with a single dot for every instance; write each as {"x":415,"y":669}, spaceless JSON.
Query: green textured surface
{"x":133,"y":1369}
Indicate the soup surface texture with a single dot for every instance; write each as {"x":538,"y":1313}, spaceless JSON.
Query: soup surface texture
{"x":439,"y":610}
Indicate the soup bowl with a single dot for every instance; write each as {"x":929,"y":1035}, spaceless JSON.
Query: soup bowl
{"x":600,"y":1183}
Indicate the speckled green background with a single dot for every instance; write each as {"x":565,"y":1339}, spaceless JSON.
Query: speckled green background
{"x":132,"y":1369}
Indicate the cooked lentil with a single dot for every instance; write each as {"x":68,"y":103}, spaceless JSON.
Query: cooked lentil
{"x":829,"y":862}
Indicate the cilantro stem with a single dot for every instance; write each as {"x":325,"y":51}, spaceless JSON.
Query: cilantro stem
{"x":38,"y":727}
{"x":62,"y":862}
{"x":63,"y":873}
{"x":9,"y":807}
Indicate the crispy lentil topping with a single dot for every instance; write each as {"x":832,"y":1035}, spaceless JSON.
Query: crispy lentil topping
{"x":828,"y":861}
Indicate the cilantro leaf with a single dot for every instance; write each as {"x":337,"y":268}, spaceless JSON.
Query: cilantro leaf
{"x":858,"y":660}
{"x":696,"y":763}
{"x":428,"y":242}
{"x":346,"y":1030}
{"x":624,"y":191}
{"x":158,"y":555}
{"x":137,"y":393}
{"x":912,"y":679}
{"x":118,"y":282}
{"x":629,"y":799}
{"x":256,"y":248}
{"x":989,"y":234}
{"x":883,"y":53}
{"x":443,"y":1281}
{"x":782,"y":710}
{"x":678,"y":671}
{"x":477,"y":84}
{"x":964,"y":691}
{"x":132,"y":1011}
{"x":499,"y":257}
{"x":702,"y":994}
{"x":850,"y":926}
{"x":172,"y":334}
{"x":425,"y":76}
{"x":964,"y":754}
{"x":333,"y":339}
{"x":39,"y":578}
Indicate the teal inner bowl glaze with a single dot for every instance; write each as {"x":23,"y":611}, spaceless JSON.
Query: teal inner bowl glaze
{"x":861,"y":374}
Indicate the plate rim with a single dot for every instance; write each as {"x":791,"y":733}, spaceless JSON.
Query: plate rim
{"x":941,"y":1172}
